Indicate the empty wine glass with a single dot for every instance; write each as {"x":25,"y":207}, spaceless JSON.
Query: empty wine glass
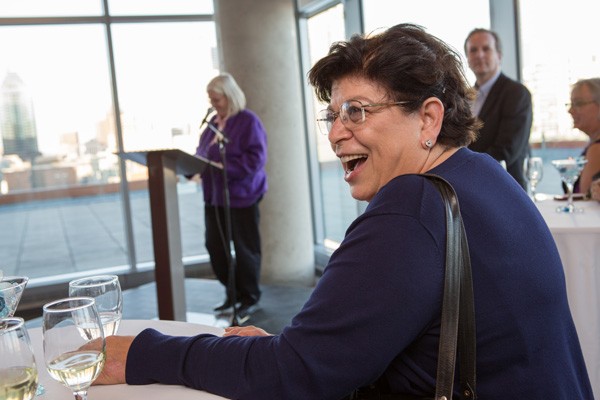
{"x":106,"y":290}
{"x":534,"y":171}
{"x":569,"y":170}
{"x":74,"y":345}
{"x":11,"y":289}
{"x":18,"y":372}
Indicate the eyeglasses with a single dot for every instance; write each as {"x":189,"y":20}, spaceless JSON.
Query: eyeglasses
{"x":579,"y":103}
{"x":352,"y":113}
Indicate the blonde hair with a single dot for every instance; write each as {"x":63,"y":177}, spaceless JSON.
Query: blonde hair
{"x":227,"y":86}
{"x":593,"y":84}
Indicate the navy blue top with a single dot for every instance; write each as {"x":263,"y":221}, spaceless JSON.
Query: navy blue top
{"x":376,"y":309}
{"x":245,"y":156}
{"x":595,"y":175}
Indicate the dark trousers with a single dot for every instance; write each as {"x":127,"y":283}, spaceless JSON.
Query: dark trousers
{"x":246,"y":242}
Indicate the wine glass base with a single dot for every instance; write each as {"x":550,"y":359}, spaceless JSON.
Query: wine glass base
{"x":40,"y":390}
{"x":569,"y":209}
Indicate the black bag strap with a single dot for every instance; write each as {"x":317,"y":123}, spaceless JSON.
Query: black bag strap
{"x":458,"y":310}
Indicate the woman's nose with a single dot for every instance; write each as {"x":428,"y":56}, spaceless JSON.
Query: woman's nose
{"x":338,"y":131}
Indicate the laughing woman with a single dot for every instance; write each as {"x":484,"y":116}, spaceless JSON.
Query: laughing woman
{"x":585,"y":110}
{"x":398,"y":106}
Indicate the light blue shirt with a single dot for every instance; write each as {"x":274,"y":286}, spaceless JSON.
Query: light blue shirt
{"x":482,"y":93}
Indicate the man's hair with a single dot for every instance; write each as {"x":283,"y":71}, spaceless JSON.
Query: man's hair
{"x":411,"y":65}
{"x":483,"y":30}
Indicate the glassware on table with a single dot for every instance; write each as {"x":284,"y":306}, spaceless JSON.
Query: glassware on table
{"x":11,"y":289}
{"x":18,"y":372}
{"x":534,"y":171}
{"x":106,"y":290}
{"x":74,"y":344}
{"x":569,"y":170}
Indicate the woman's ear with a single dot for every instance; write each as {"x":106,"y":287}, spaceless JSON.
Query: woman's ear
{"x":432,"y":116}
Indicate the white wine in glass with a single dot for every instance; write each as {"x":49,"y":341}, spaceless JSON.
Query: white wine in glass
{"x":72,"y":358}
{"x":18,"y":372}
{"x":106,"y":290}
{"x":11,"y":290}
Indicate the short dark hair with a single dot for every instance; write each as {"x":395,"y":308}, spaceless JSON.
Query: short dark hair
{"x":483,"y":30}
{"x":412,"y":65}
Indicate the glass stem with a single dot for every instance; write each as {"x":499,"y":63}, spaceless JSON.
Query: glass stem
{"x":570,"y":194}
{"x":80,"y":395}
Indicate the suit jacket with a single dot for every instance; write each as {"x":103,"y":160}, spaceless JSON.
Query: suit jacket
{"x":507,"y":116}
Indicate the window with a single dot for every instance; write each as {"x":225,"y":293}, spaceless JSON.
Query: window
{"x":549,"y":75}
{"x":161,"y":75}
{"x":160,"y":7}
{"x":50,"y":8}
{"x":385,"y":13}
{"x":55,"y":90}
{"x":60,"y":180}
{"x":339,"y":208}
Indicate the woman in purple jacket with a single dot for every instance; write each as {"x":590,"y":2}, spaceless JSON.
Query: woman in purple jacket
{"x":236,"y":139}
{"x":397,"y":106}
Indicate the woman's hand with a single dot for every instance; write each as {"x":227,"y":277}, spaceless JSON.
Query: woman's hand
{"x":113,"y":372}
{"x":245,"y":331}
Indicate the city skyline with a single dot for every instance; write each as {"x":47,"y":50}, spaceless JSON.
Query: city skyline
{"x":17,"y":119}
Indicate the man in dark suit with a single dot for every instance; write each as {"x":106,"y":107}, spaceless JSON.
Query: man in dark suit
{"x":504,"y":105}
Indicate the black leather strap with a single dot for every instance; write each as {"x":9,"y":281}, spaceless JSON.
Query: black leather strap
{"x":458,"y":311}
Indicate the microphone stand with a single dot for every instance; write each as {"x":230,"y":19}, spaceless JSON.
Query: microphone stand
{"x":231,"y":292}
{"x":221,"y":138}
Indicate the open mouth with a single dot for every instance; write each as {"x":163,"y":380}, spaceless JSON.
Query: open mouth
{"x":351,"y":162}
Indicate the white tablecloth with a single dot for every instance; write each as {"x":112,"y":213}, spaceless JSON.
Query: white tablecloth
{"x":577,"y":237}
{"x":56,"y":391}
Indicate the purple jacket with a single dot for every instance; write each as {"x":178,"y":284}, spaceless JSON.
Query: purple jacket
{"x":246,"y":156}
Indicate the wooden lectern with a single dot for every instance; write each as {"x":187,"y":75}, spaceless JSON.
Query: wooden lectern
{"x":163,"y":168}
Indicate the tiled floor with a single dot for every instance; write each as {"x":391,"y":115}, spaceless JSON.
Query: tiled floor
{"x":277,"y":306}
{"x":77,"y":235}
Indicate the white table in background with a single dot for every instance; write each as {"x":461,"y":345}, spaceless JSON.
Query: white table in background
{"x":56,"y":391}
{"x":577,"y":237}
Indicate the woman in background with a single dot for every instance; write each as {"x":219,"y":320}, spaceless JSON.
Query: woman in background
{"x":239,"y":135}
{"x":585,"y":110}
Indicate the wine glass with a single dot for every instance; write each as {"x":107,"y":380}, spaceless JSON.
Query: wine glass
{"x":534,"y":171}
{"x":11,"y":289}
{"x":106,"y":290}
{"x":569,"y":170}
{"x":18,"y":373}
{"x":74,"y":345}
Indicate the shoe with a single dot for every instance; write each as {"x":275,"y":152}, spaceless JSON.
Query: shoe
{"x":245,"y":310}
{"x":225,"y":307}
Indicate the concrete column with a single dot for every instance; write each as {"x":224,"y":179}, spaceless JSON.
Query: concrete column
{"x":258,"y":46}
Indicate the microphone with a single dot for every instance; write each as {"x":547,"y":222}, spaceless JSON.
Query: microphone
{"x":208,"y":112}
